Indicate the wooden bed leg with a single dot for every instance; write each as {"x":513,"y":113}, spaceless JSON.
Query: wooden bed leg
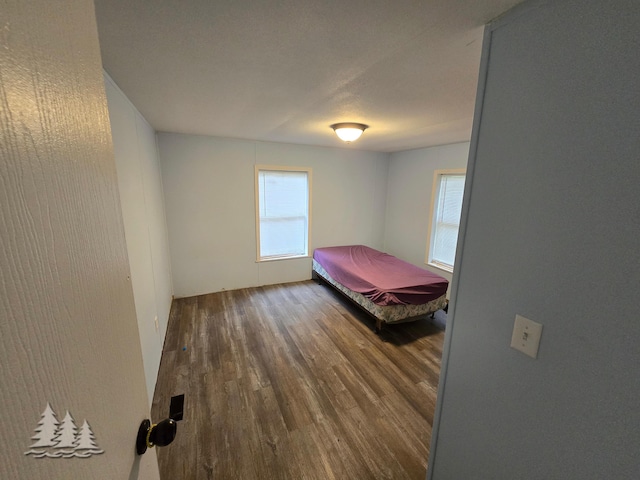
{"x":378,"y":325}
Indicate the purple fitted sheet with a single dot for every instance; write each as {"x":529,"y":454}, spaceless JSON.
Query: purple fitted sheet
{"x":382,"y":278}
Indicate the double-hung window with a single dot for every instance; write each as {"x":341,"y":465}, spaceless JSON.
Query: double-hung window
{"x":283,"y":206}
{"x":446,"y":206}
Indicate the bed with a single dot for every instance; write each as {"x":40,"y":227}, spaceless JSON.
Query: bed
{"x":387,"y":288}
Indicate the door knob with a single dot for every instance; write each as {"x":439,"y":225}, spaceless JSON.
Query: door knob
{"x":162,"y":433}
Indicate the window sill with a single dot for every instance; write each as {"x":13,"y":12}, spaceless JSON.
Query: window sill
{"x":439,"y":266}
{"x":275,"y":259}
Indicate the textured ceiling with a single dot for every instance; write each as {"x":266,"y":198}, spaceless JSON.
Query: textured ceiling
{"x":284,"y":70}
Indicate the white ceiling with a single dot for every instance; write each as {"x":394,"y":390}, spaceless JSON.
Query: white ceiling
{"x":284,"y":70}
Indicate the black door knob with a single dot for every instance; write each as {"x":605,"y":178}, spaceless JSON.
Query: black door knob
{"x":163,"y":433}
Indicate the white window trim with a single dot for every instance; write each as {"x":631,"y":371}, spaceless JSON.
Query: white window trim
{"x":434,"y":190}
{"x":257,"y":170}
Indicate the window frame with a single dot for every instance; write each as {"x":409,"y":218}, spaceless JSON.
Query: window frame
{"x":276,"y":168}
{"x":435,"y":193}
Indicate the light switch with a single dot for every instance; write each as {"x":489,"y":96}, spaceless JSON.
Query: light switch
{"x":526,"y":336}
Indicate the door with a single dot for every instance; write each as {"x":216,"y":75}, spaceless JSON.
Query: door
{"x":72,"y":386}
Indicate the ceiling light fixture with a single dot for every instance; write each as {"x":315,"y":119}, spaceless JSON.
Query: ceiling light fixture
{"x":349,"y":132}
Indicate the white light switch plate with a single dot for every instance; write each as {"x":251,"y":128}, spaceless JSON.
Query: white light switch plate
{"x":526,"y":336}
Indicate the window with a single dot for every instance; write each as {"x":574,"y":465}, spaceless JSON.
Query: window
{"x":446,"y":205}
{"x":283,"y":204}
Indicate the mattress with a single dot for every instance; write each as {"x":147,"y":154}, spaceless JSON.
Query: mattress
{"x":388,"y":288}
{"x":382,"y":278}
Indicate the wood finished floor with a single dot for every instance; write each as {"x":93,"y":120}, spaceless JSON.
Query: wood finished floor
{"x":290,"y":382}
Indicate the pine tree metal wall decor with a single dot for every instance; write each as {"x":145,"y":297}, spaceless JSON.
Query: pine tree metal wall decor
{"x":62,"y":440}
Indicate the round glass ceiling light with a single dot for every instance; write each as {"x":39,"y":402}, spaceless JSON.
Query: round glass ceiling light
{"x":349,"y":131}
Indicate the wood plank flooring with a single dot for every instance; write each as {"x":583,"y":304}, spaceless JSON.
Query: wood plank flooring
{"x":290,"y":382}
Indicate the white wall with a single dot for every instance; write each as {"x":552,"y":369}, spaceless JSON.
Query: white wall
{"x":552,"y":234}
{"x":141,"y":199}
{"x":209,"y":191}
{"x":68,"y":332}
{"x":409,"y":193}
